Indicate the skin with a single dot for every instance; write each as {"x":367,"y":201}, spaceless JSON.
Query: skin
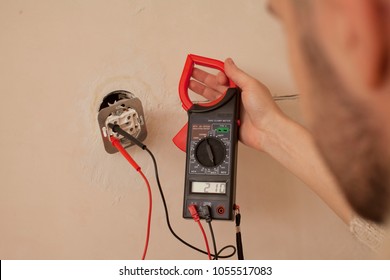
{"x":341,"y":66}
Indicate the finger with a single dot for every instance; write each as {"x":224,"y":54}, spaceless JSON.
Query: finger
{"x":203,"y":90}
{"x":204,"y":77}
{"x":239,"y":77}
{"x":210,"y":80}
{"x":222,"y":79}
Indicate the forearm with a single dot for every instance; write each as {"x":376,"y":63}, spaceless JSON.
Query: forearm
{"x":293,"y":146}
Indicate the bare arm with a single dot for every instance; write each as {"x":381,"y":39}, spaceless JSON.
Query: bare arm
{"x":293,"y":146}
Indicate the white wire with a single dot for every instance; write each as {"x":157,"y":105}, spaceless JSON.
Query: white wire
{"x":285,"y":97}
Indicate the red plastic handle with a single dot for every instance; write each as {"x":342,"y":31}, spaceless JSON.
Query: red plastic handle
{"x":187,"y":73}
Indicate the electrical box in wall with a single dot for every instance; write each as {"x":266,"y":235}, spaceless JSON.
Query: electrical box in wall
{"x":124,"y":109}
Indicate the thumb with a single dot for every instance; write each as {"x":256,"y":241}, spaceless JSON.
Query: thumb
{"x":239,"y":77}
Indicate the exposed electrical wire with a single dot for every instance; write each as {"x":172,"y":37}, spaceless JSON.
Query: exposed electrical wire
{"x":115,"y":142}
{"x":285,"y":97}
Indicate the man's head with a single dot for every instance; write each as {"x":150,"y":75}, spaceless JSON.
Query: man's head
{"x":340,"y":52}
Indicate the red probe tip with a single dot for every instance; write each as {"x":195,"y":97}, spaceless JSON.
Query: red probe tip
{"x":115,"y":142}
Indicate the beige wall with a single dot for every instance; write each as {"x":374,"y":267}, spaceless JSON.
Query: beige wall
{"x":63,"y":197}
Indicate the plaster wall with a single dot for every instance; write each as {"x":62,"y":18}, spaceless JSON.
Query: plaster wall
{"x":63,"y":197}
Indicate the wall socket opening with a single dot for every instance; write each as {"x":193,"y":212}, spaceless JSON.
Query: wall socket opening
{"x":124,"y":109}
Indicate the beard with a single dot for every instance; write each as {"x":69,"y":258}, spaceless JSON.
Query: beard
{"x":347,"y":137}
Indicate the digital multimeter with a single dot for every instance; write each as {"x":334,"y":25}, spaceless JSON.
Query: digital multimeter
{"x":211,"y":147}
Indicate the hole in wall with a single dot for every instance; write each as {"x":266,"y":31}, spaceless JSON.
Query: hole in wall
{"x":114,"y":97}
{"x":121,"y":108}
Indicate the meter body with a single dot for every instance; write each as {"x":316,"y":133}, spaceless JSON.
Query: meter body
{"x":211,"y":161}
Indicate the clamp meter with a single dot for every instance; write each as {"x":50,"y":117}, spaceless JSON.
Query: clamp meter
{"x":211,"y":146}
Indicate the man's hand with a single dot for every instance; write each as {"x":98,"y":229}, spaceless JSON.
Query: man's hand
{"x":265,"y":127}
{"x":259,"y":113}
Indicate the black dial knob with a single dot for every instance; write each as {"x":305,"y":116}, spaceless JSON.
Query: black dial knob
{"x":210,"y":152}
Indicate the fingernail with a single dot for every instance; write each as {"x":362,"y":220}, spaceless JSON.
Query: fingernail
{"x":230,"y":61}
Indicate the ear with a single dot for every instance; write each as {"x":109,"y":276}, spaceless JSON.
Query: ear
{"x":356,"y":36}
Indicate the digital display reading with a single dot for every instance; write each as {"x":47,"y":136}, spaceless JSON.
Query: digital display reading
{"x":208,"y":187}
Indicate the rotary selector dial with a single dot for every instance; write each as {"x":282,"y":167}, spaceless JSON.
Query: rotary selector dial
{"x":210,"y":152}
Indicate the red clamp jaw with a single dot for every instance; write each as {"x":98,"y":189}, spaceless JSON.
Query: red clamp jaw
{"x":180,"y":139}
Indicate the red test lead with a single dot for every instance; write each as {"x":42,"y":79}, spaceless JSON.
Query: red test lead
{"x":115,"y":142}
{"x":195,"y":216}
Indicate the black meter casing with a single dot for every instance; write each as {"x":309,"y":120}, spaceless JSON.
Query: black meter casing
{"x":211,"y":161}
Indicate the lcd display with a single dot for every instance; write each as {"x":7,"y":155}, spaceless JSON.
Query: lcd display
{"x":208,"y":187}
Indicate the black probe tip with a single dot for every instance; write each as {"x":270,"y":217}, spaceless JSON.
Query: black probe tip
{"x":113,"y":126}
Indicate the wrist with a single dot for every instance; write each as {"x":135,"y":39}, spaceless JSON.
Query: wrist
{"x":276,"y":134}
